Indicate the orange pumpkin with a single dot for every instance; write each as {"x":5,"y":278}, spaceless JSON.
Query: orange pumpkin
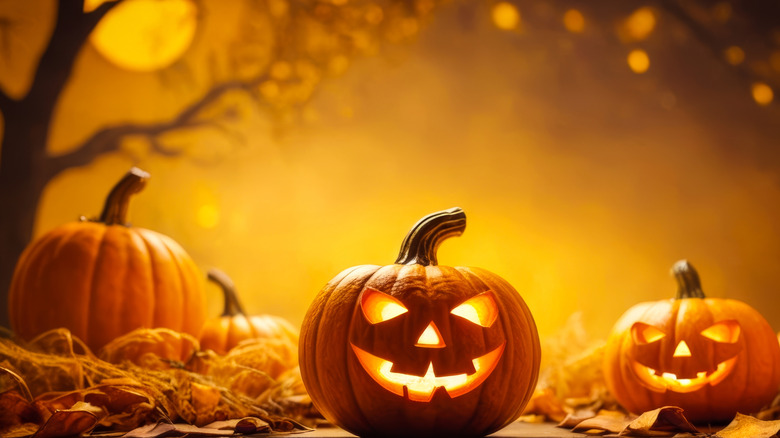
{"x":710,"y":356}
{"x":102,"y":279}
{"x":419,"y":349}
{"x":223,"y":333}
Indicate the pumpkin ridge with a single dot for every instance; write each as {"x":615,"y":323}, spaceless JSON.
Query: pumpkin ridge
{"x":348,"y":357}
{"x":316,"y":334}
{"x":152,"y":274}
{"x":90,"y":292}
{"x":183,"y":285}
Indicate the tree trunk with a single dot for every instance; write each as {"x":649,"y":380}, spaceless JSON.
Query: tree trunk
{"x":25,"y":168}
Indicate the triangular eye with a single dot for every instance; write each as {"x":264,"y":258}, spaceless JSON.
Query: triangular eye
{"x":379,"y":307}
{"x":646,"y":334}
{"x":723,"y":331}
{"x":481,"y":309}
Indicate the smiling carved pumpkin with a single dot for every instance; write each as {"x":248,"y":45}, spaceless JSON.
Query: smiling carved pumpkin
{"x":710,"y":356}
{"x":415,"y":348}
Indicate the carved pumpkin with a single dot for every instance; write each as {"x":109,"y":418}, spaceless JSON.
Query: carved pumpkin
{"x":223,"y":333}
{"x":710,"y":356}
{"x":102,"y":279}
{"x":419,"y":349}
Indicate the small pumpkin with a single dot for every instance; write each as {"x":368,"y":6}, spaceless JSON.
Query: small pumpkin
{"x":103,"y":278}
{"x":710,"y":356}
{"x":234,"y":326}
{"x":419,"y":349}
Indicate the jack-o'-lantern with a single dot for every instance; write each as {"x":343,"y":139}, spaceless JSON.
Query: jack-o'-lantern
{"x":419,"y":349}
{"x":104,"y":278}
{"x":710,"y":356}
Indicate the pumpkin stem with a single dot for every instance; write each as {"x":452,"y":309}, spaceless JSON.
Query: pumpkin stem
{"x":420,"y":245}
{"x":115,"y":209}
{"x":232,"y":305}
{"x":687,"y":280}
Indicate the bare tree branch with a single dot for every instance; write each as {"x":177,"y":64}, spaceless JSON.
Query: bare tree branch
{"x":109,"y":139}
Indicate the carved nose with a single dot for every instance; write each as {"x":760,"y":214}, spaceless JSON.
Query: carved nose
{"x":682,"y":350}
{"x":430,"y":337}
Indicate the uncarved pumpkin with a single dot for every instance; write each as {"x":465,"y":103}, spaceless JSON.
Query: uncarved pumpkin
{"x":234,"y":326}
{"x":102,"y":279}
{"x":713,"y":357}
{"x":419,"y":349}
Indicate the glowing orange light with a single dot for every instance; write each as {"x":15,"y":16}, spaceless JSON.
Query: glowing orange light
{"x":480,"y":309}
{"x":682,"y":350}
{"x":379,"y":307}
{"x":638,"y":61}
{"x":669,"y":381}
{"x":430,"y":337}
{"x":762,"y":93}
{"x":646,"y":334}
{"x":574,"y":21}
{"x":724,"y":331}
{"x":421,"y":388}
{"x":640,"y":24}
{"x":145,"y":35}
{"x":505,"y":16}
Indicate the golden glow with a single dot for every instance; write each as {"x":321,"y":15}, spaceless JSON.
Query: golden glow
{"x":646,"y":334}
{"x":762,"y":93}
{"x":505,"y":16}
{"x":430,"y":337}
{"x":379,"y":307}
{"x":682,"y":350}
{"x":724,"y":331}
{"x":208,"y":216}
{"x":640,"y":24}
{"x":421,"y":388}
{"x":481,"y":309}
{"x":668,"y":381}
{"x":574,"y":21}
{"x":638,"y":61}
{"x":145,"y":35}
{"x":734,"y":55}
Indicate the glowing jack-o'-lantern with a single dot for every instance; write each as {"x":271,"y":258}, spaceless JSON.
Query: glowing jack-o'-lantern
{"x":710,"y":356}
{"x":429,"y":349}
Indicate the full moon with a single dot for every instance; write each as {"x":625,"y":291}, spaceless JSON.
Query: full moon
{"x":145,"y":35}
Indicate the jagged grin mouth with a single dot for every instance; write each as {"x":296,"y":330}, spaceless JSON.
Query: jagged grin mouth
{"x":659,"y":381}
{"x":421,"y":388}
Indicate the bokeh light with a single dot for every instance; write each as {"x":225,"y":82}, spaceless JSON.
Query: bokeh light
{"x":640,"y":24}
{"x":506,"y":16}
{"x":638,"y":61}
{"x":762,"y":93}
{"x":574,"y":21}
{"x":734,"y":55}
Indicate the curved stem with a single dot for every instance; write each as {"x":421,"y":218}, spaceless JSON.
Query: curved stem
{"x":687,"y":280}
{"x":420,"y":245}
{"x":118,"y":200}
{"x":232,"y":305}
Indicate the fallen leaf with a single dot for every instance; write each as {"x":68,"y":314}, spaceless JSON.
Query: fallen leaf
{"x":575,"y":418}
{"x":745,"y":426}
{"x":67,"y":422}
{"x":605,"y":421}
{"x":665,"y":421}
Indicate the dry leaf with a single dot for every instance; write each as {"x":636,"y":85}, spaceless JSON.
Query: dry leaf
{"x":745,"y":426}
{"x":605,"y":421}
{"x":665,"y":421}
{"x":70,"y":422}
{"x":157,"y":349}
{"x":576,"y":418}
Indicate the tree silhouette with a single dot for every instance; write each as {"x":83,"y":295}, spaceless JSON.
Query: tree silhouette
{"x":341,"y":30}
